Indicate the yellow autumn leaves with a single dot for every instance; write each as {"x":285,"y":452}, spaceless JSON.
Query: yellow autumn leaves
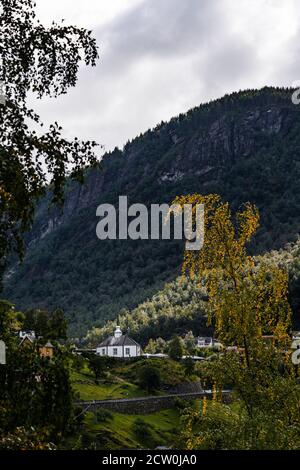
{"x":246,"y":300}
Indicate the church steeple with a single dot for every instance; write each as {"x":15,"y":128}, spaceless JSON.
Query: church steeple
{"x":117,"y":332}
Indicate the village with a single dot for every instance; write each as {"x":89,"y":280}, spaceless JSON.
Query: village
{"x":118,"y":345}
{"x":122,"y":346}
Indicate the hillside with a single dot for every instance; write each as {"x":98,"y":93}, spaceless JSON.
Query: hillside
{"x":104,"y":429}
{"x":176,"y":309}
{"x":180,"y":306}
{"x":245,"y":146}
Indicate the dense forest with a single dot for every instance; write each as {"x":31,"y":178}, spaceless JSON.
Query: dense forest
{"x":245,"y":147}
{"x":176,"y":309}
{"x":181,"y":306}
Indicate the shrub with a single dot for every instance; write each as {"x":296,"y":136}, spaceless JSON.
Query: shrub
{"x":179,"y":403}
{"x":189,"y":366}
{"x":149,"y":378}
{"x":141,"y":429}
{"x":103,"y":415}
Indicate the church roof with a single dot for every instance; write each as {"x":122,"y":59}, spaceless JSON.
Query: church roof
{"x":123,"y":340}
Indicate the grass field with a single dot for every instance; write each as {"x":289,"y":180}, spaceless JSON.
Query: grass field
{"x":110,"y":430}
{"x":119,"y":432}
{"x":116,"y":387}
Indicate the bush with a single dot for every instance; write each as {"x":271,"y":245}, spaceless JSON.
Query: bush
{"x":103,"y":415}
{"x":141,"y":429}
{"x":78,"y":362}
{"x":182,"y":404}
{"x":179,"y":403}
{"x":99,"y":365}
{"x":189,"y":366}
{"x":149,"y":378}
{"x":171,"y":372}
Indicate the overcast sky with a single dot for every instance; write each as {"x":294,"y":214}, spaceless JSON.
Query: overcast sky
{"x":159,"y":58}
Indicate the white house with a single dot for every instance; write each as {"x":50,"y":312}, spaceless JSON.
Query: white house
{"x":204,"y":342}
{"x":30,"y":334}
{"x":119,"y":345}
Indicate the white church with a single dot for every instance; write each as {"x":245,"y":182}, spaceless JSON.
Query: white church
{"x":119,"y":345}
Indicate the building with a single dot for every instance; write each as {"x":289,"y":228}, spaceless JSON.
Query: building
{"x":119,"y":345}
{"x":29,"y":340}
{"x":26,"y":340}
{"x":29,"y":334}
{"x":204,"y":342}
{"x":47,"y":350}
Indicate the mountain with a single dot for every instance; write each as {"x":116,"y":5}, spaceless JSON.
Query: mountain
{"x":244,"y":146}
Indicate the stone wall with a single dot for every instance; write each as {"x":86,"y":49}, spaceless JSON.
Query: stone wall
{"x":146,"y":405}
{"x":187,"y":387}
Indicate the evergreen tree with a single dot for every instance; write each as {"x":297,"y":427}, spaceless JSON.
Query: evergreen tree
{"x":149,"y":378}
{"x":176,"y":348}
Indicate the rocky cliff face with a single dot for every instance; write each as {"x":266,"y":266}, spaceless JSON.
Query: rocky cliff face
{"x":213,"y":147}
{"x":228,"y":138}
{"x":244,"y":146}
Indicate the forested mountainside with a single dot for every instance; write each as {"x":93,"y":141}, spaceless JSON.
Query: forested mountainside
{"x":181,"y":306}
{"x":245,"y":146}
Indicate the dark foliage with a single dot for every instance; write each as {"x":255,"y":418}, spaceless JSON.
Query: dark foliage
{"x":42,"y":61}
{"x":149,"y":378}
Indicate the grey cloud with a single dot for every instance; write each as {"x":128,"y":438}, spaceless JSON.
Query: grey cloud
{"x":231,"y":61}
{"x":158,"y":59}
{"x":287,"y":70}
{"x":160,"y":29}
